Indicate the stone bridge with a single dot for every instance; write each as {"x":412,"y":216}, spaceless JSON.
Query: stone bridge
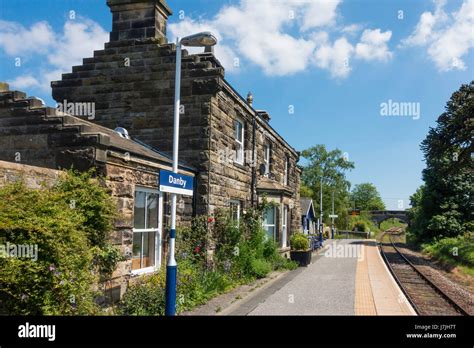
{"x":378,"y":216}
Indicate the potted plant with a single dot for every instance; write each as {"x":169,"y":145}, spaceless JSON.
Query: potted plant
{"x":300,"y":250}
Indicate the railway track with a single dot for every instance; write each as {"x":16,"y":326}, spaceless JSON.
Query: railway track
{"x":424,"y":296}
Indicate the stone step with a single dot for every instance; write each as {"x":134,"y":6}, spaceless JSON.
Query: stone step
{"x":30,"y":129}
{"x":27,"y":120}
{"x":12,"y":95}
{"x":35,"y":103}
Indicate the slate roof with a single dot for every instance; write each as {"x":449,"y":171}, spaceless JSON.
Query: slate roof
{"x":306,"y":204}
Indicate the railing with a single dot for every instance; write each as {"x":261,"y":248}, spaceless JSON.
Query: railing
{"x":314,"y":242}
{"x":352,"y":234}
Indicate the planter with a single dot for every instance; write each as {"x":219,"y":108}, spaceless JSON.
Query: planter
{"x":303,"y":257}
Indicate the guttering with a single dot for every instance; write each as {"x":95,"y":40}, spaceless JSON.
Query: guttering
{"x":254,"y":170}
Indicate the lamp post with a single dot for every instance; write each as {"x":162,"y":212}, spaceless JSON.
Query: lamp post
{"x":332,"y":224}
{"x":321,"y":212}
{"x":204,"y":39}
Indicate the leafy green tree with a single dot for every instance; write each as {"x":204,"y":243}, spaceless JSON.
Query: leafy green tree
{"x":366,"y":197}
{"x":305,"y":191}
{"x":331,"y":166}
{"x":69,"y":226}
{"x":443,"y":207}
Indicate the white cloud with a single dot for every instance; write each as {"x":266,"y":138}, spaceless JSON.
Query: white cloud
{"x":373,"y":45}
{"x":78,"y":40}
{"x":15,"y":39}
{"x":284,"y":39}
{"x":24,"y":82}
{"x":58,"y":52}
{"x":351,"y":29}
{"x":447,"y":37}
{"x":319,"y":13}
{"x":335,"y":58}
{"x":281,"y":40}
{"x":254,"y":31}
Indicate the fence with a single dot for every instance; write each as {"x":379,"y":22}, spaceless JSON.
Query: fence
{"x":353,"y":234}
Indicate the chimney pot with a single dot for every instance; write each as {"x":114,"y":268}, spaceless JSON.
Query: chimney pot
{"x":4,"y":87}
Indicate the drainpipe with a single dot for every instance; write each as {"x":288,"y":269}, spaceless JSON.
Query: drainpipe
{"x":194,"y":199}
{"x":254,"y":174}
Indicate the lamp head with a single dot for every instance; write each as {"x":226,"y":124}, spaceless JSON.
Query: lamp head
{"x":204,"y":39}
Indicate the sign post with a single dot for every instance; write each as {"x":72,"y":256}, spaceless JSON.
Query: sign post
{"x":178,"y":184}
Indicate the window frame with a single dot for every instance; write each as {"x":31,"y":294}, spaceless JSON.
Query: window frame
{"x":240,"y":142}
{"x":274,"y":225}
{"x":267,"y":153}
{"x":239,"y":208}
{"x":287,"y":171}
{"x":158,"y":231}
{"x":284,"y":225}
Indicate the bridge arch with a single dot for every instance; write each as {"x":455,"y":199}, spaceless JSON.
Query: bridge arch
{"x":379,"y":216}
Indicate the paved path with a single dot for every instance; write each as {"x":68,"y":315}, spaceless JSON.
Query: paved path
{"x":326,"y":287}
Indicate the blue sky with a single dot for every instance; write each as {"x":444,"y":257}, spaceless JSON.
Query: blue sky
{"x":333,"y":62}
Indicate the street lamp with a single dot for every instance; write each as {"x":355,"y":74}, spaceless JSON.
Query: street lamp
{"x":321,"y":212}
{"x":203,"y":39}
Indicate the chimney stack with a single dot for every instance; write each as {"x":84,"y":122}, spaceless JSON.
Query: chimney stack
{"x":139,"y":19}
{"x":264,"y":115}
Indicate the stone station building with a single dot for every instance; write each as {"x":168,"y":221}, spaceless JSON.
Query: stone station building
{"x":236,"y":156}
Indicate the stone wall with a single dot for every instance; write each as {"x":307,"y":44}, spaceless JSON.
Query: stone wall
{"x":34,"y":177}
{"x":232,"y":181}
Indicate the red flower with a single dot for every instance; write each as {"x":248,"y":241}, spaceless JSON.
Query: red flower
{"x":197,"y":250}
{"x":210,"y":219}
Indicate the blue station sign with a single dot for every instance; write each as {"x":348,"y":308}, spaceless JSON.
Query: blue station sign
{"x":176,"y":183}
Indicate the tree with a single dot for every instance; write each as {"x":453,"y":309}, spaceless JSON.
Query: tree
{"x":331,"y":167}
{"x":366,"y":197}
{"x":70,"y":226}
{"x":305,"y":191}
{"x":442,"y":208}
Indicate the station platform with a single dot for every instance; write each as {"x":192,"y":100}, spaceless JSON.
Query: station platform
{"x":376,"y":291}
{"x":346,"y":277}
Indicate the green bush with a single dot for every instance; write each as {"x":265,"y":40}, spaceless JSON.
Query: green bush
{"x":191,"y":243}
{"x":145,"y":297}
{"x":242,"y":254}
{"x":452,"y":251}
{"x":195,"y":286}
{"x":71,"y":237}
{"x":360,"y":226}
{"x":299,"y":241}
{"x":260,"y":268}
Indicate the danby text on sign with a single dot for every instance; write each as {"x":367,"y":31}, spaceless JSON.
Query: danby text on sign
{"x":176,"y":183}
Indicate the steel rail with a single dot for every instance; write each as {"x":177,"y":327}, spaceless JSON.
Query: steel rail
{"x":440,"y":292}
